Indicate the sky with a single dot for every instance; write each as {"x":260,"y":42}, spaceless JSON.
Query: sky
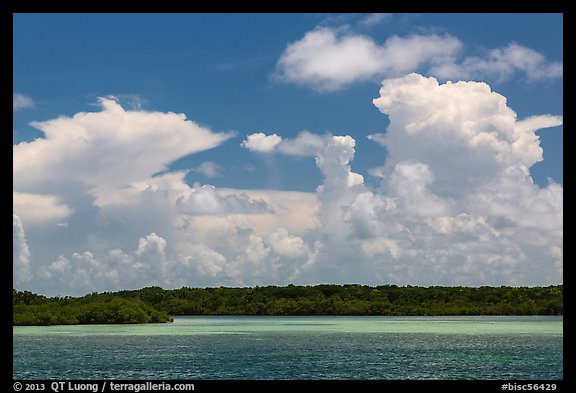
{"x":267,"y":149}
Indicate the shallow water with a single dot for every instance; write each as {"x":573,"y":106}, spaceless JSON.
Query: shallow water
{"x":296,"y":348}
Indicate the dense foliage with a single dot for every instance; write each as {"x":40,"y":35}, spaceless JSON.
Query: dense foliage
{"x":154,"y":304}
{"x":32,"y":309}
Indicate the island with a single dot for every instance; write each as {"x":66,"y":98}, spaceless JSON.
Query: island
{"x":158,"y":305}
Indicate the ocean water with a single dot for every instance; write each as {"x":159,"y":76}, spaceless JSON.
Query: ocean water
{"x":255,"y":348}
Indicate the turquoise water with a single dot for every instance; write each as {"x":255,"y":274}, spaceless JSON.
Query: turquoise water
{"x":296,"y":348}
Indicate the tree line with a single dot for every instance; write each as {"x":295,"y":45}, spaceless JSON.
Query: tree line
{"x":31,"y":309}
{"x":154,"y":304}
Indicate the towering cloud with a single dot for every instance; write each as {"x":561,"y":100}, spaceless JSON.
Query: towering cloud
{"x":20,"y":253}
{"x":455,"y":203}
{"x":463,"y":131}
{"x":103,"y":213}
{"x":458,"y":170}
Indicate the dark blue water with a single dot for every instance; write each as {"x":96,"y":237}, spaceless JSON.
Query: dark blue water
{"x":297,"y":352}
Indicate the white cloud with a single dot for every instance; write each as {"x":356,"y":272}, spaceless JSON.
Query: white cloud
{"x":512,"y":199}
{"x":375,"y":19}
{"x":38,"y":209}
{"x":132,"y":101}
{"x":20,"y":253}
{"x":329,"y":59}
{"x":455,"y":204}
{"x":59,"y":268}
{"x":206,"y":200}
{"x":151,"y":254}
{"x":284,"y":244}
{"x":85,"y":271}
{"x":463,"y":131}
{"x":382,"y":246}
{"x":204,"y":260}
{"x":103,"y":173}
{"x":21,"y":101}
{"x":294,"y":211}
{"x":333,"y":155}
{"x":209,"y":169}
{"x":260,"y":142}
{"x":464,"y":163}
{"x":525,"y":134}
{"x":305,"y":144}
{"x":502,"y":64}
{"x":106,"y":150}
{"x":410,"y":181}
{"x":152,"y":245}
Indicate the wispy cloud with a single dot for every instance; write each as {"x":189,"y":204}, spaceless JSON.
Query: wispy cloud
{"x":209,"y":169}
{"x":246,"y":63}
{"x":375,"y":19}
{"x":21,"y":101}
{"x":130,"y":101}
{"x":502,"y":64}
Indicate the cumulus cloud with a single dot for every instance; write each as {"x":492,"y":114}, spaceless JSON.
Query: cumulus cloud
{"x":332,"y":155}
{"x":331,"y":58}
{"x":260,"y":142}
{"x":455,"y":203}
{"x":125,"y":222}
{"x":381,"y":247}
{"x":101,"y":178}
{"x":306,"y":144}
{"x":86,"y":271}
{"x":458,"y":169}
{"x":206,"y":200}
{"x":21,"y":101}
{"x":38,"y":209}
{"x":463,"y":131}
{"x":107,"y":150}
{"x":508,"y":198}
{"x":151,"y":245}
{"x":294,"y":211}
{"x":205,"y":261}
{"x":285,"y":244}
{"x":410,"y":183}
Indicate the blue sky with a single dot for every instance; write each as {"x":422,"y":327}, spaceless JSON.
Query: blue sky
{"x":284,"y":155}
